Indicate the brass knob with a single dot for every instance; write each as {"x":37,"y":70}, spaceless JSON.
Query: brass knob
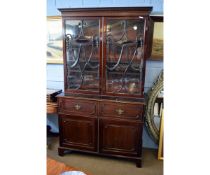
{"x":120,"y":111}
{"x":77,"y":107}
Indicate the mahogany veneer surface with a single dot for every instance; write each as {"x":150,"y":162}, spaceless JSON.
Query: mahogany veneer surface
{"x":95,"y":116}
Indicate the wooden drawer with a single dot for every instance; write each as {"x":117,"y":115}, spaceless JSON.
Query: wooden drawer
{"x":121,"y":110}
{"x":77,"y":106}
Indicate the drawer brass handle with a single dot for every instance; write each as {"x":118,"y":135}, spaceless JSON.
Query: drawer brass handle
{"x":120,"y":111}
{"x":77,"y":107}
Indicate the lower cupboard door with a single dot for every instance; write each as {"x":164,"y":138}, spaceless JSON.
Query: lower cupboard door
{"x":120,"y":137}
{"x":78,"y":132}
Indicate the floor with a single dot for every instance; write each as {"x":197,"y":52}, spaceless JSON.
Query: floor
{"x":99,"y":165}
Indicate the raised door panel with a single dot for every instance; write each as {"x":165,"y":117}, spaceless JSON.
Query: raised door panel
{"x":78,"y":132}
{"x":120,"y":137}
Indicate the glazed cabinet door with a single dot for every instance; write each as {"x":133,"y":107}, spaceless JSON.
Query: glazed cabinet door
{"x":120,"y":137}
{"x":82,"y":54}
{"x":125,"y":39}
{"x":78,"y":132}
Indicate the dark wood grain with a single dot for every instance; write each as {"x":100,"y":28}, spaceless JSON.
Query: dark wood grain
{"x":120,"y":137}
{"x":78,"y":132}
{"x":78,"y":107}
{"x":109,"y":11}
{"x":102,"y":122}
{"x":156,"y":18}
{"x":121,"y":110}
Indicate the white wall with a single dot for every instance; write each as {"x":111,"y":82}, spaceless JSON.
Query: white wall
{"x":52,"y":5}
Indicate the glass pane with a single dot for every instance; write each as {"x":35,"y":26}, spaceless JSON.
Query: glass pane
{"x":82,"y":54}
{"x":124,"y":56}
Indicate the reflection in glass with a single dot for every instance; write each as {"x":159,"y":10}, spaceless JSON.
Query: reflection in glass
{"x":82,"y":54}
{"x":124,"y":56}
{"x":158,"y":107}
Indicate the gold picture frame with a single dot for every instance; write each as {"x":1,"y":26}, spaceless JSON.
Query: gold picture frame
{"x":158,"y":38}
{"x":152,"y":95}
{"x":54,"y":40}
{"x":160,"y":148}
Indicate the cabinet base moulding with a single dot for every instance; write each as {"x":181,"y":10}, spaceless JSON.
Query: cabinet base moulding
{"x":62,"y":151}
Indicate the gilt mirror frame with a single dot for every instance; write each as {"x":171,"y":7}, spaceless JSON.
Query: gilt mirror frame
{"x":149,"y":114}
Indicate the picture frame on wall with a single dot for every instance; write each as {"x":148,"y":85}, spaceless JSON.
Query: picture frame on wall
{"x":54,"y":40}
{"x":158,"y":40}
